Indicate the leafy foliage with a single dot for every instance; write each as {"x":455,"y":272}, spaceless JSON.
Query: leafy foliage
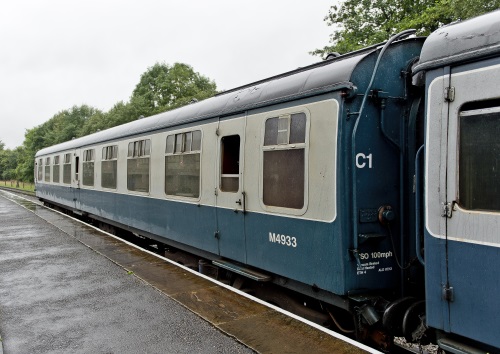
{"x":63,"y":126}
{"x":165,"y":87}
{"x":67,"y":124}
{"x":8,"y":162}
{"x":161,"y":88}
{"x":120,"y":113}
{"x":359,"y":23}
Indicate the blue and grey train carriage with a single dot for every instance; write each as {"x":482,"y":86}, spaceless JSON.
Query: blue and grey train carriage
{"x":461,"y":206}
{"x":350,"y":182}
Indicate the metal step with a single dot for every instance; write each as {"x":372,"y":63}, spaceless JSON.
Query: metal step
{"x":241,"y":270}
{"x":455,"y":347}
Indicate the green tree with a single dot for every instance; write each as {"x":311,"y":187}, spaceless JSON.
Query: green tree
{"x":25,"y":168}
{"x":33,"y":141}
{"x":96,"y":122}
{"x":8,"y":163}
{"x":164,"y":87}
{"x":362,"y":23}
{"x":120,"y":113}
{"x":63,"y":126}
{"x":161,"y":88}
{"x":67,"y":124}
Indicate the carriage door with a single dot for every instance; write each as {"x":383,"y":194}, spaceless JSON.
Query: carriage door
{"x":472,"y":206}
{"x":75,"y":178}
{"x":230,"y":196}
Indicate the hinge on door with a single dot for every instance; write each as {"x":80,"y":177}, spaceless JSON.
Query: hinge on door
{"x":215,"y":191}
{"x":449,"y":94}
{"x":217,"y":132}
{"x":448,"y":293}
{"x":446,"y":210}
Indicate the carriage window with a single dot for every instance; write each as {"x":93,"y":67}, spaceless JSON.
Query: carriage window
{"x":230,"y":163}
{"x":55,"y":170}
{"x":88,"y":167}
{"x":47,"y":169}
{"x":109,"y":166}
{"x":284,"y":161}
{"x":67,"y":169}
{"x":170,"y":144}
{"x":40,"y":170}
{"x":182,"y":164}
{"x":479,"y":159}
{"x":138,"y":165}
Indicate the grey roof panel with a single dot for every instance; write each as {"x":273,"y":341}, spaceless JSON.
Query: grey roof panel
{"x":461,"y":41}
{"x":303,"y":82}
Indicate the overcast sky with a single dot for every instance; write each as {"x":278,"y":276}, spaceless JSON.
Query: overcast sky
{"x":55,"y":54}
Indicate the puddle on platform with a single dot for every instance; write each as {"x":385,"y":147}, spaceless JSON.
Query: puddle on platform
{"x":28,"y":205}
{"x":32,"y":206}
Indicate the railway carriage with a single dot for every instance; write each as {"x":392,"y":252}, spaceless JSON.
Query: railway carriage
{"x":329,"y":181}
{"x":462,"y":181}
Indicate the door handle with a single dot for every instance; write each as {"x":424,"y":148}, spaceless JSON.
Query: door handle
{"x":242,"y":201}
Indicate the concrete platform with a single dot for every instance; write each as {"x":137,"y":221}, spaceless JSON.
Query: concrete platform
{"x":58,"y":296}
{"x":65,"y":287}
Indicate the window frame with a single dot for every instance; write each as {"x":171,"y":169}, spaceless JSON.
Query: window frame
{"x":57,"y":162}
{"x":222,"y":164}
{"x":67,"y":156}
{"x":40,"y":171}
{"x":469,"y":113}
{"x":46,"y":167}
{"x":88,"y":156}
{"x":141,"y":149}
{"x":105,"y":158}
{"x":175,"y":152}
{"x":281,"y":147}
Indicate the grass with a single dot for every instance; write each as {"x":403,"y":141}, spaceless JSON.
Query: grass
{"x":24,"y":186}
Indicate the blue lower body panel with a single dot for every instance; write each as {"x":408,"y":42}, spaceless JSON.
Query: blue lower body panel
{"x":311,"y":252}
{"x":472,"y":272}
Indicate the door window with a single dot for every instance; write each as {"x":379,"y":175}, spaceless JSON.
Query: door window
{"x":77,"y":167}
{"x":230,"y":163}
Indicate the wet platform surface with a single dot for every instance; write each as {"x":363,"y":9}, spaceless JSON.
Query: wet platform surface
{"x":66,"y":287}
